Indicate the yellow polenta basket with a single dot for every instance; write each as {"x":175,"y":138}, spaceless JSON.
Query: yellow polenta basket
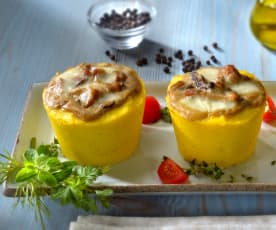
{"x":109,"y":139}
{"x":225,"y":141}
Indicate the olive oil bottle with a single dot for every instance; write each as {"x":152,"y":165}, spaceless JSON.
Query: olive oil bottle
{"x":263,"y":22}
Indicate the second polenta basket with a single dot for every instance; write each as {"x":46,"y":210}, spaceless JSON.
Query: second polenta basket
{"x":96,"y":112}
{"x":216,"y":114}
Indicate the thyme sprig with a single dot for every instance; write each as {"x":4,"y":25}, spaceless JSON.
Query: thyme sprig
{"x":165,"y":115}
{"x":202,"y":168}
{"x":42,"y":173}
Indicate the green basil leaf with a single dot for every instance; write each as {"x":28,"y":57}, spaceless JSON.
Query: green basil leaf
{"x":30,"y":155}
{"x":53,"y":162}
{"x":41,"y":160}
{"x":25,"y":174}
{"x":47,"y":178}
{"x":105,"y":192}
{"x":62,"y":174}
{"x":69,"y":164}
{"x":63,"y":194}
{"x":77,"y":194}
{"x":44,"y":149}
{"x":104,"y":196}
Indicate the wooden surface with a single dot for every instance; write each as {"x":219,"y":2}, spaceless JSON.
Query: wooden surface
{"x":39,"y":38}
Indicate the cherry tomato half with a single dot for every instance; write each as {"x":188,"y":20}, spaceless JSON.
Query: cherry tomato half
{"x":152,"y":112}
{"x":171,"y":173}
{"x":271,"y":104}
{"x":269,"y":116}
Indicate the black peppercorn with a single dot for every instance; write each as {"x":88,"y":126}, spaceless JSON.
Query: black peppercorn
{"x":166,"y":69}
{"x":178,"y":54}
{"x":107,"y":52}
{"x":112,"y":57}
{"x":126,"y":20}
{"x":214,"y":59}
{"x":205,"y":48}
{"x":215,"y":45}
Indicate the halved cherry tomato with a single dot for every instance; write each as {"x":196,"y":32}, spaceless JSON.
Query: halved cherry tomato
{"x":152,"y":112}
{"x":269,"y":116}
{"x":271,"y":104}
{"x":171,"y":173}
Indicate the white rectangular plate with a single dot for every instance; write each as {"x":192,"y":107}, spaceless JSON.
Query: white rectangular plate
{"x":138,"y":174}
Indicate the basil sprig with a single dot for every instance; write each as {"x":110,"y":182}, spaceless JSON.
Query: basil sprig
{"x":42,"y":173}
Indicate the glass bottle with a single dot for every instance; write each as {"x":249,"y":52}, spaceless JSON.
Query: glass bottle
{"x":263,"y":22}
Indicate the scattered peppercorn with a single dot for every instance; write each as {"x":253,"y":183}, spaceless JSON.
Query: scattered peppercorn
{"x":128,"y":19}
{"x":142,"y":62}
{"x":178,"y":54}
{"x":158,"y":60}
{"x":167,"y":69}
{"x":191,"y":64}
{"x":107,"y":52}
{"x":198,"y":64}
{"x":215,"y":45}
{"x":214,"y":59}
{"x":112,"y":57}
{"x":190,"y":53}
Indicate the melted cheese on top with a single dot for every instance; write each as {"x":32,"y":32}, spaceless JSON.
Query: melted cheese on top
{"x":215,"y":92}
{"x":89,"y":90}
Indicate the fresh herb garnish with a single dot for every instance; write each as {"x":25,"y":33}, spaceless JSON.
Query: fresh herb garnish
{"x":165,"y":115}
{"x":203,"y":168}
{"x":231,"y":179}
{"x":273,"y":162}
{"x":246,"y":177}
{"x":42,"y":173}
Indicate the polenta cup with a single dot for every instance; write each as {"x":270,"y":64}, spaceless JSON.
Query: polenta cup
{"x":106,"y":140}
{"x":223,"y":140}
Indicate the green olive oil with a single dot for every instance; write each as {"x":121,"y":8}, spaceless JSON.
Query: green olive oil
{"x":263,"y":22}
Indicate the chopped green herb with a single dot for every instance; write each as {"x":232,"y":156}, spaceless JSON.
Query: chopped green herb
{"x":273,"y":162}
{"x":165,"y":115}
{"x":231,"y":179}
{"x":42,"y":173}
{"x":203,"y":168}
{"x":246,"y":177}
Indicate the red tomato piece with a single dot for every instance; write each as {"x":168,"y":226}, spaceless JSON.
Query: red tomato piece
{"x":269,"y":116}
{"x":271,"y":104}
{"x":152,"y":112}
{"x":171,"y":173}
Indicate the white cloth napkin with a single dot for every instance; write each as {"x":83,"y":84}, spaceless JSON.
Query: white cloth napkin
{"x":96,"y":222}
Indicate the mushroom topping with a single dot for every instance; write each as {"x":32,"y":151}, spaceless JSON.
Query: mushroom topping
{"x":215,"y":91}
{"x":89,"y":90}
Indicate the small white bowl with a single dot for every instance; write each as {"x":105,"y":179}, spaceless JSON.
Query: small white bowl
{"x":120,"y":38}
